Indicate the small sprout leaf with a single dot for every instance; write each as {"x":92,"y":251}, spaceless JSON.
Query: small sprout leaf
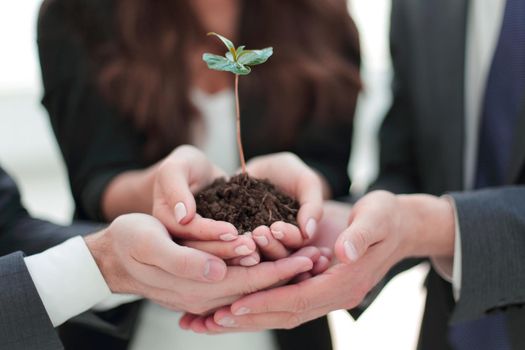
{"x":238,"y":60}
{"x":221,"y":63}
{"x":254,"y":57}
{"x":227,"y":42}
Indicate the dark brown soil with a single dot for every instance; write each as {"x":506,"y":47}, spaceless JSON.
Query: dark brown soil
{"x":246,"y":202}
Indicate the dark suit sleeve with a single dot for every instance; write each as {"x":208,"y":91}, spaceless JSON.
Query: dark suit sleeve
{"x":397,"y":158}
{"x":24,"y":323}
{"x":326,"y":148}
{"x":96,"y":145}
{"x":19,"y":231}
{"x":492,"y":226}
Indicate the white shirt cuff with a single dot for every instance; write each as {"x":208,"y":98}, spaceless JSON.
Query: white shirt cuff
{"x":450,"y":268}
{"x":67,"y":279}
{"x":115,"y":300}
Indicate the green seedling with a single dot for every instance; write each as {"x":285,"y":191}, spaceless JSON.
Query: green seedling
{"x":237,"y":61}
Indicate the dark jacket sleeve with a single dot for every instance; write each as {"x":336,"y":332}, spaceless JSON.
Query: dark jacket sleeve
{"x":397,"y":157}
{"x":326,"y":148}
{"x":96,"y":145}
{"x":19,"y":231}
{"x":492,"y":231}
{"x":24,"y":323}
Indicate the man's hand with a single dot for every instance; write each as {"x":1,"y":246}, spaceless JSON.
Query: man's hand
{"x":136,"y":255}
{"x":383,"y":230}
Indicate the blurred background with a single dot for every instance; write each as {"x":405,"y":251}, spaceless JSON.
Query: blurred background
{"x":29,"y":153}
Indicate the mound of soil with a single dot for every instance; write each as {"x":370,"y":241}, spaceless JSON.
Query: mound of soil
{"x":246,"y":203}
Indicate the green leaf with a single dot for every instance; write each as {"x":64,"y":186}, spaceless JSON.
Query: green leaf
{"x":240,"y":50}
{"x":254,"y":57}
{"x":221,"y":63}
{"x":238,"y":60}
{"x":227,"y":42}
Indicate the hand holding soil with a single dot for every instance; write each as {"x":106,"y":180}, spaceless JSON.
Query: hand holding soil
{"x":187,"y":171}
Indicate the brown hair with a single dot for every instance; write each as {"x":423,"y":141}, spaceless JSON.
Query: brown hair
{"x":314,"y":73}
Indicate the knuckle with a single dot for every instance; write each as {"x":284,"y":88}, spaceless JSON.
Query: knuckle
{"x":293,"y":321}
{"x":182,"y":265}
{"x":300,"y":304}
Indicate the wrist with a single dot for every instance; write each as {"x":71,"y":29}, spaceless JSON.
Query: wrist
{"x":130,"y":191}
{"x":99,"y":248}
{"x":428,"y":225}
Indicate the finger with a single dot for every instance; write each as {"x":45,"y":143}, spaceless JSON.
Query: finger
{"x":204,"y":229}
{"x":150,"y":278}
{"x":362,"y":233}
{"x":327,"y":252}
{"x":242,"y":246}
{"x":174,"y":204}
{"x":289,"y":235}
{"x":321,"y":265}
{"x":310,"y":197}
{"x":185,"y":168}
{"x":186,"y":319}
{"x":268,"y":246}
{"x":179,"y":261}
{"x":302,"y":277}
{"x":274,"y":320}
{"x":312,"y":253}
{"x":246,"y":261}
{"x":299,"y":297}
{"x":209,"y":324}
{"x":198,"y":325}
{"x":242,"y":280}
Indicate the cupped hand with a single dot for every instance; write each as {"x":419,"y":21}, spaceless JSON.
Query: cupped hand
{"x":291,"y":175}
{"x":374,"y":241}
{"x":184,"y":172}
{"x":136,"y":255}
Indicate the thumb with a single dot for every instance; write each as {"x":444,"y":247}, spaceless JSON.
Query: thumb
{"x":354,"y":242}
{"x":185,"y":262}
{"x":173,"y":182}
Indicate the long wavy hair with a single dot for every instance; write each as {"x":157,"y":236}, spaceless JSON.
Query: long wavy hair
{"x":138,"y":49}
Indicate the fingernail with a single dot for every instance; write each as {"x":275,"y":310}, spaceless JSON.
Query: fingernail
{"x":227,"y":237}
{"x":350,"y":251}
{"x":243,"y":250}
{"x":248,"y":261}
{"x":261,"y":240}
{"x":180,"y":212}
{"x":214,"y":270}
{"x":277,"y":234}
{"x":242,"y":311}
{"x":311,"y":227}
{"x":226,"y":322}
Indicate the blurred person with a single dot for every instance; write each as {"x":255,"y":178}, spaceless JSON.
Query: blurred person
{"x":455,"y":128}
{"x":125,"y":84}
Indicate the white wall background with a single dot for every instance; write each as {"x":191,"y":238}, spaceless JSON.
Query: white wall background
{"x":28,"y":151}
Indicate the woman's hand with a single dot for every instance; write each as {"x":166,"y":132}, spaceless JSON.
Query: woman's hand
{"x":184,"y":172}
{"x":291,"y":175}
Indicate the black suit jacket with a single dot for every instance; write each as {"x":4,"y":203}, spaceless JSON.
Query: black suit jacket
{"x":422,"y":141}
{"x":24,"y":323}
